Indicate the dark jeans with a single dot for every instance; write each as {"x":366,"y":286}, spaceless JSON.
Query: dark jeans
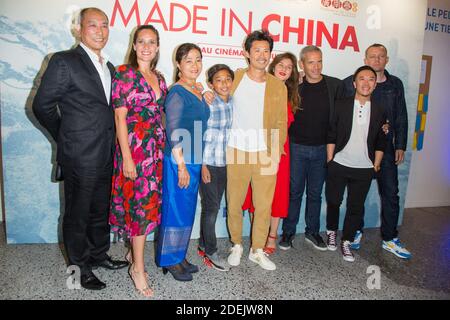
{"x":358,"y":183}
{"x":211,"y":194}
{"x":308,"y":168}
{"x":86,"y":229}
{"x":387,"y":180}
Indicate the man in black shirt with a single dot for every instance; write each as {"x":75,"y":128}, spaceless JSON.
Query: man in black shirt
{"x":308,"y":139}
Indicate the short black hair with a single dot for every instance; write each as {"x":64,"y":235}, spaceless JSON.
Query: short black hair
{"x":362,"y":69}
{"x":216,"y":68}
{"x":258,"y":35}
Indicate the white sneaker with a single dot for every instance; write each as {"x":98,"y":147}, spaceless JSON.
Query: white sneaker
{"x":331,"y":240}
{"x":261,"y":258}
{"x":346,"y":252}
{"x":234,"y":259}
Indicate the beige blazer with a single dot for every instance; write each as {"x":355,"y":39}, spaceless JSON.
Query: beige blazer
{"x":275,"y":111}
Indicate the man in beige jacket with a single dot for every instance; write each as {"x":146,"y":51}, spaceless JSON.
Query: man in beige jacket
{"x":254,"y":146}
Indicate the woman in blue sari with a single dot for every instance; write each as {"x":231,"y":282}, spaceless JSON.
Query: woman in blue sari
{"x":186,"y":116}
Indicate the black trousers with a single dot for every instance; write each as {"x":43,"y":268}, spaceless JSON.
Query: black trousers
{"x":211,"y":195}
{"x":358,"y":183}
{"x":86,"y":230}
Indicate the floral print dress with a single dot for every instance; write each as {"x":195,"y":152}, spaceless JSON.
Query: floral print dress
{"x":136,"y":205}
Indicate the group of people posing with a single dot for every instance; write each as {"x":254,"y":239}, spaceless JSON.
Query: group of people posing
{"x":262,"y":133}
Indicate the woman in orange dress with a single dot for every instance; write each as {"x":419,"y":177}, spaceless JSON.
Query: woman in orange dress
{"x":284,"y":67}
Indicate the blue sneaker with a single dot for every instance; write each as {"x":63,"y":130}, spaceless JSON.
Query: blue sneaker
{"x":356,"y":244}
{"x":397,"y":248}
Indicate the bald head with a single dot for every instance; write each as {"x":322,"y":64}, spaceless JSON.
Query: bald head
{"x":93,"y":29}
{"x":84,"y":11}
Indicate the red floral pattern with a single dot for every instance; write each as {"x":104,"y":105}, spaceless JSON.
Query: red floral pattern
{"x":136,"y":205}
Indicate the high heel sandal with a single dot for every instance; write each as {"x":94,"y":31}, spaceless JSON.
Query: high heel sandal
{"x":146,"y":291}
{"x":178,"y":272}
{"x":270,"y":250}
{"x":129,"y":258}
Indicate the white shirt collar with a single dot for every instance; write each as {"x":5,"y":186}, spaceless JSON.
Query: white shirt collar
{"x":358,"y":104}
{"x":93,"y":55}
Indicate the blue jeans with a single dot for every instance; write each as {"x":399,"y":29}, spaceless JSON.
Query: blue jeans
{"x":308,"y":168}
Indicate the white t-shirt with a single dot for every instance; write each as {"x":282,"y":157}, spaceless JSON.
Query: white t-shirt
{"x":247,"y":131}
{"x":355,"y":153}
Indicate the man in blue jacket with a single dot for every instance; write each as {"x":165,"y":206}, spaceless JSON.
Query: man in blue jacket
{"x":389,"y":93}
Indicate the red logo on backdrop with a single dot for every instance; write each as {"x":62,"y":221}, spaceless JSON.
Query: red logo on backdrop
{"x":181,"y":18}
{"x":336,"y":4}
{"x":346,"y":7}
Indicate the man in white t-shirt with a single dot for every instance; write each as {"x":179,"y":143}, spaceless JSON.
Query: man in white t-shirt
{"x":356,"y":144}
{"x":254,"y":148}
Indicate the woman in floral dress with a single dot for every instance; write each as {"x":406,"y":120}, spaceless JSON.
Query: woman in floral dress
{"x":138,"y":91}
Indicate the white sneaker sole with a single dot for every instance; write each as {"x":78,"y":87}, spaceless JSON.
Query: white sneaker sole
{"x":348,"y":259}
{"x":314,"y":245}
{"x":270,"y":268}
{"x":332,"y":248}
{"x":234,"y":264}
{"x":215,"y":266}
{"x":221,"y":269}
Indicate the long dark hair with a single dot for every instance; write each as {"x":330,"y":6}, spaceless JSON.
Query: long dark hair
{"x":292,"y":81}
{"x":132,"y":58}
{"x":183,"y":51}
